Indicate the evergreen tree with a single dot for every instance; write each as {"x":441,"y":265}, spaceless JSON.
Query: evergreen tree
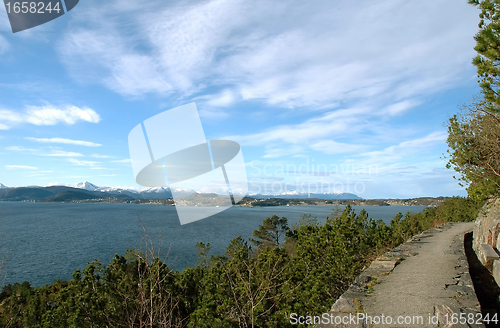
{"x":488,"y":48}
{"x":474,"y":135}
{"x":271,"y":231}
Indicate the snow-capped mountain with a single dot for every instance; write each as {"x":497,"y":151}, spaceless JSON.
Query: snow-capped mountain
{"x":86,"y":186}
{"x":2,"y":186}
{"x":165,"y":192}
{"x":153,"y":193}
{"x":117,"y":190}
{"x":154,"y":190}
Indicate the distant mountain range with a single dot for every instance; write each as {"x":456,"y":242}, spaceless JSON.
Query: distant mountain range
{"x":87,"y":190}
{"x":54,"y":194}
{"x":150,"y":193}
{"x":302,"y":195}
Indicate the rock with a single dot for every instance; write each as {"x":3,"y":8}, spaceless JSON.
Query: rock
{"x":487,"y":255}
{"x":384,"y":266}
{"x":496,"y":271}
{"x":487,"y":226}
{"x":363,"y":279}
{"x":344,"y":305}
{"x":445,"y":314}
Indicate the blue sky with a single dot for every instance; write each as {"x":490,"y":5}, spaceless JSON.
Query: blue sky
{"x":321,"y":95}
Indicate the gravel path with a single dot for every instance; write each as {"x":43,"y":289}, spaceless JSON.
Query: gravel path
{"x":421,"y":282}
{"x":422,"y":278}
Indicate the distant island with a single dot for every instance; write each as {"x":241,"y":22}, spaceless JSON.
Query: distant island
{"x":87,"y":192}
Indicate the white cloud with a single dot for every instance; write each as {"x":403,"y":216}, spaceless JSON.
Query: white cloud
{"x":280,"y":152}
{"x":101,"y":156}
{"x":123,"y":71}
{"x":60,"y":153}
{"x":212,"y":113}
{"x":335,"y":123}
{"x":53,"y":153}
{"x":312,"y":54}
{"x":406,"y":149}
{"x":48,"y":115}
{"x":127,"y":160}
{"x":354,"y":66}
{"x":401,"y":107}
{"x":9,"y":116}
{"x":333,"y":147}
{"x":339,"y":131}
{"x":20,"y":167}
{"x":64,"y":141}
{"x":83,"y":163}
{"x":19,"y":148}
{"x":225,"y":98}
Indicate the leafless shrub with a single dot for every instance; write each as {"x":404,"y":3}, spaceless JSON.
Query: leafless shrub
{"x":151,"y":303}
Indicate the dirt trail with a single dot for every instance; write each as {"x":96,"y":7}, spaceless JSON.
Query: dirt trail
{"x":422,"y":278}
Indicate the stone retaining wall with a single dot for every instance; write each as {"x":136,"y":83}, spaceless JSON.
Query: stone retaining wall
{"x":486,"y":237}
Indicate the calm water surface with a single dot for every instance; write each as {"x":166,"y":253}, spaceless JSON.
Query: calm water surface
{"x":48,"y":241}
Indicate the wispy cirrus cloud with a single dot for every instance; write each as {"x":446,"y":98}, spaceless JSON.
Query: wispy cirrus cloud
{"x":122,"y":161}
{"x":47,"y":115}
{"x":405,"y":149}
{"x":332,"y":79}
{"x":351,"y":67}
{"x":21,"y":149}
{"x":275,"y":152}
{"x":337,"y":123}
{"x":61,"y":153}
{"x":312,"y":54}
{"x":20,"y":167}
{"x":40,"y":152}
{"x":347,"y":130}
{"x":64,"y":141}
{"x":83,"y":163}
{"x":101,"y":156}
{"x":332,"y":147}
{"x":132,"y":74}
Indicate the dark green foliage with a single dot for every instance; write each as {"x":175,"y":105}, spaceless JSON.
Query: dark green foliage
{"x":328,"y":257}
{"x":488,"y":49}
{"x":242,"y":288}
{"x":473,"y":136}
{"x":271,"y":231}
{"x":458,"y":209}
{"x":473,"y":139}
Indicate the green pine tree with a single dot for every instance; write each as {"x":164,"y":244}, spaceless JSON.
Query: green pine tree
{"x":271,"y":232}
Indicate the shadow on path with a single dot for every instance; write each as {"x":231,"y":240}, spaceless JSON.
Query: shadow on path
{"x":486,"y":288}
